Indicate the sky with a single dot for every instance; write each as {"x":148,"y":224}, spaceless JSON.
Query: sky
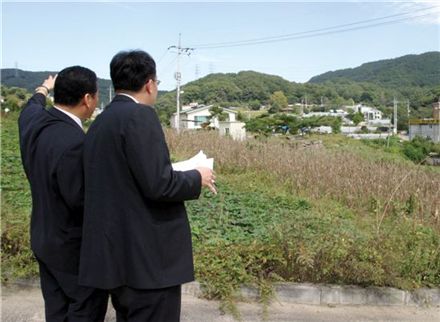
{"x":294,"y":40}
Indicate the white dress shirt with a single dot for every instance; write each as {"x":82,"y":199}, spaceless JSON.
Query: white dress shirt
{"x":129,"y":96}
{"x":73,"y":117}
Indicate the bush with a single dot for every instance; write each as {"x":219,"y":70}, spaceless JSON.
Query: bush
{"x":419,"y":148}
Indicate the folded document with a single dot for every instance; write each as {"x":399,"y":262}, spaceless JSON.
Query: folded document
{"x":199,"y":160}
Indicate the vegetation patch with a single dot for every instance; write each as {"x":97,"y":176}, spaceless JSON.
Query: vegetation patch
{"x":284,"y":212}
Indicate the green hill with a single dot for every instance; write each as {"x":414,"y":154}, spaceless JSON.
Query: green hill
{"x":12,"y":77}
{"x":250,"y":90}
{"x":410,"y":70}
{"x":413,"y":78}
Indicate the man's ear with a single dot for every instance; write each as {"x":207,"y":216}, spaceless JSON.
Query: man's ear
{"x":89,"y":104}
{"x":148,"y":87}
{"x":89,"y":100}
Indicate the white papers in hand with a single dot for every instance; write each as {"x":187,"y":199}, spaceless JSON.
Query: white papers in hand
{"x":199,"y":160}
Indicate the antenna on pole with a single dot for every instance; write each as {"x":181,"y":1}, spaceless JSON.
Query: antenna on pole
{"x":178,"y":77}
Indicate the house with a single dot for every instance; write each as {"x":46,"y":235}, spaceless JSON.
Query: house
{"x":370,"y":113}
{"x":193,"y":116}
{"x":427,"y":128}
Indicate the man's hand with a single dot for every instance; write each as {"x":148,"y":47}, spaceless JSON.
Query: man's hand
{"x":47,"y":85}
{"x":50,"y":82}
{"x":208,"y":178}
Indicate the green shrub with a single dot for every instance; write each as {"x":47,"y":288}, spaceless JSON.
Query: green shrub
{"x":419,"y":148}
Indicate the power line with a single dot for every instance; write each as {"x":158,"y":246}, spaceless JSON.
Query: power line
{"x":170,"y":64}
{"x":162,"y":57}
{"x":314,"y":32}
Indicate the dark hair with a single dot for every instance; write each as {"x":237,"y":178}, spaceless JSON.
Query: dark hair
{"x":73,"y":83}
{"x":130,"y":70}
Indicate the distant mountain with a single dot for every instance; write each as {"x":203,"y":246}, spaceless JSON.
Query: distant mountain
{"x":413,"y":78}
{"x":12,"y":77}
{"x":246,"y":88}
{"x":30,"y":80}
{"x":410,"y":70}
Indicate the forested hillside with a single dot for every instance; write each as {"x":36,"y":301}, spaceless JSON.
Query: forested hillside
{"x":411,"y":79}
{"x":12,"y":77}
{"x":251,"y":90}
{"x":410,"y":70}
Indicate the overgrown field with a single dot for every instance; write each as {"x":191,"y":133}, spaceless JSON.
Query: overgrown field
{"x":284,"y":212}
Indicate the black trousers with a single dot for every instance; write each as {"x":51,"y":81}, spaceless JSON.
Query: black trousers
{"x":66,"y":301}
{"x":136,"y":305}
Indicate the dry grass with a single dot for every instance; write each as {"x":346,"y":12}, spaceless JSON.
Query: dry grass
{"x":364,"y":185}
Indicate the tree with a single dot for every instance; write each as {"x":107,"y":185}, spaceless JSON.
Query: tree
{"x":419,"y":148}
{"x":277,"y":101}
{"x":218,"y":112}
{"x":366,"y":97}
{"x":357,"y":118}
{"x":255,"y":105}
{"x":336,"y":125}
{"x":12,"y":102}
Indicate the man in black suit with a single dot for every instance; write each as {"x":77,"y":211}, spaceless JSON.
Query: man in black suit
{"x":136,"y":237}
{"x":51,"y":143}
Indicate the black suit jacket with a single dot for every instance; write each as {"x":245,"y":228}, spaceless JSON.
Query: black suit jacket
{"x":136,"y":231}
{"x":51,"y":150}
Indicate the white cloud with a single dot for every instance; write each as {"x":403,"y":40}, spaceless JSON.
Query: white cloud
{"x":423,"y":12}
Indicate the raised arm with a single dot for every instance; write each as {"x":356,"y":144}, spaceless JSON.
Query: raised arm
{"x":38,"y":101}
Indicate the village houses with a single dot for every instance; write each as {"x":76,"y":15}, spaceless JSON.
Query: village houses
{"x":192,"y":117}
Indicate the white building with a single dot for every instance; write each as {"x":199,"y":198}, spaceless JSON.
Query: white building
{"x":380,"y":123}
{"x":370,"y":113}
{"x":337,"y":113}
{"x":234,"y":129}
{"x":194,"y":116}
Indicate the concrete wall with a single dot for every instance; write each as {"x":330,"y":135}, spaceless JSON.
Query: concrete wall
{"x":431,"y":131}
{"x":235,"y":129}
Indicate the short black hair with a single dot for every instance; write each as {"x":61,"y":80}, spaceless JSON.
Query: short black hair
{"x":130,"y":70}
{"x":72,"y":83}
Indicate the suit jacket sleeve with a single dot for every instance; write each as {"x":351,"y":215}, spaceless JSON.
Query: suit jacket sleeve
{"x":70,"y":175}
{"x":35,"y":104}
{"x":149,"y":161}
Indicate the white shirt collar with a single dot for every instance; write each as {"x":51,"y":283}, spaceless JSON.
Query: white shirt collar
{"x":73,"y":117}
{"x":129,"y":96}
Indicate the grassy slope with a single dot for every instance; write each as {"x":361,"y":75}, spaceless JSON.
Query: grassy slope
{"x":258,"y":230}
{"x":17,"y":259}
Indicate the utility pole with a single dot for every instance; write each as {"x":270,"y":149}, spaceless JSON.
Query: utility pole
{"x":395,"y":117}
{"x":110,"y":95}
{"x":178,"y":77}
{"x":408,"y":112}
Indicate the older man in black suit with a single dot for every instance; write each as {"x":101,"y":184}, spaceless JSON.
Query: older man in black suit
{"x":51,"y":144}
{"x":137,"y":239}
